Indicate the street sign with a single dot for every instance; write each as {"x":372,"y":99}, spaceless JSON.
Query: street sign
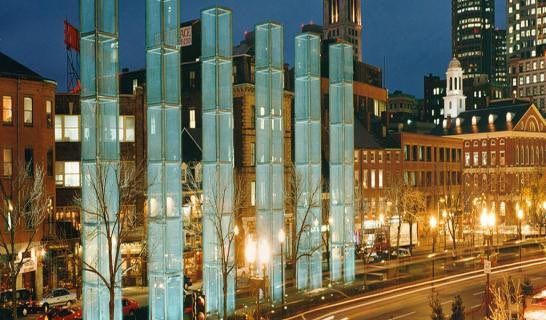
{"x":487,"y":266}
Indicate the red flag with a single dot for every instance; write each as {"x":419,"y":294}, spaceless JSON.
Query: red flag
{"x":71,"y":37}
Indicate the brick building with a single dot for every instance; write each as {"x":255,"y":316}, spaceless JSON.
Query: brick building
{"x":64,"y":236}
{"x":503,"y":146}
{"x":428,"y":163}
{"x":26,"y":139}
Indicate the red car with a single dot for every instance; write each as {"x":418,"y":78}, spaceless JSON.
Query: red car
{"x":129,"y":306}
{"x":62,"y":314}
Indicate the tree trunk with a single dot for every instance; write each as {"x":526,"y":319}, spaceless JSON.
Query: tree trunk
{"x":13,"y":279}
{"x":112,"y":303}
{"x":224,"y":296}
{"x":411,"y":237}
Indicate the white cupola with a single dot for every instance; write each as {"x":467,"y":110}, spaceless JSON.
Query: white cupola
{"x":454,"y":101}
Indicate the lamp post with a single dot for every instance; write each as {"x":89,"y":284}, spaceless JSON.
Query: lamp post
{"x":487,"y":221}
{"x":264,"y":261}
{"x":520,"y":233}
{"x":236,"y":234}
{"x":444,"y":216}
{"x":282,"y":238}
{"x":433,"y":224}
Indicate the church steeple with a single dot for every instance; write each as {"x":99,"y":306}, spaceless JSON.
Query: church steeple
{"x":342,"y":19}
{"x":454,"y":101}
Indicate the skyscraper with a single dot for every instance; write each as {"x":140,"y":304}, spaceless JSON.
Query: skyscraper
{"x":472,"y":34}
{"x":342,"y":19}
{"x":526,"y":28}
{"x":500,"y":65}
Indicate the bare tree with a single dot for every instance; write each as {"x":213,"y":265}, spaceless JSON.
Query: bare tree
{"x":117,"y":220}
{"x":533,"y":195}
{"x":404,"y":203}
{"x":25,"y":205}
{"x":222,"y":207}
{"x":507,"y":300}
{"x":454,"y":204}
{"x":306,"y":197}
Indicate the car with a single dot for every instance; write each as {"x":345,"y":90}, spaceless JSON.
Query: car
{"x":57,"y":297}
{"x":536,"y":310}
{"x":25,"y":302}
{"x":62,"y":313}
{"x":129,"y":307}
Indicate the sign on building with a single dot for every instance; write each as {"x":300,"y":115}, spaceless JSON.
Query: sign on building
{"x":185,"y":36}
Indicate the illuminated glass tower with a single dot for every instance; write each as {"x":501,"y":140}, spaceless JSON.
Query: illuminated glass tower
{"x":269,"y":147}
{"x":100,"y":147}
{"x":165,"y":242}
{"x":308,"y":161}
{"x":342,"y":261}
{"x":218,"y":219}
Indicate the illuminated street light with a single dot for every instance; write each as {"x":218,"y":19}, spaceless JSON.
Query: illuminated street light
{"x":433,"y":223}
{"x":487,"y":220}
{"x":282,"y":237}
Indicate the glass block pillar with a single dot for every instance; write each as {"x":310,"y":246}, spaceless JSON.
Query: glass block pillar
{"x":269,"y":148}
{"x":100,"y":148}
{"x":218,"y":188}
{"x":308,"y":162}
{"x":165,"y":236}
{"x":341,"y":163}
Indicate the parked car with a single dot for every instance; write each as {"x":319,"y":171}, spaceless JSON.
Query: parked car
{"x":402,"y":252}
{"x":24,"y":298}
{"x":57,"y":297}
{"x":62,"y":313}
{"x":129,"y":307}
{"x":536,"y":310}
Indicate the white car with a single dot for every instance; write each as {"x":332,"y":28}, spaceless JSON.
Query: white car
{"x":58,"y":297}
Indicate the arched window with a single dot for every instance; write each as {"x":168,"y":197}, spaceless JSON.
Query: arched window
{"x":450,"y":84}
{"x":526,"y":154}
{"x":517,"y":154}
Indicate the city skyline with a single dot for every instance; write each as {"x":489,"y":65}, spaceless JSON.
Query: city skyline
{"x":407,"y":53}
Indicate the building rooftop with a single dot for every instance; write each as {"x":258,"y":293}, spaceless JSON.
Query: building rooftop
{"x":13,"y":69}
{"x":502,"y":115}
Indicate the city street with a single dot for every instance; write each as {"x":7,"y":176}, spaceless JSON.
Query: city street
{"x":413,"y":303}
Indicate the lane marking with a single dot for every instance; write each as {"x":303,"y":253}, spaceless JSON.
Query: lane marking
{"x":474,"y":307}
{"x":403,"y":315}
{"x":478,"y":293}
{"x":446,"y":302}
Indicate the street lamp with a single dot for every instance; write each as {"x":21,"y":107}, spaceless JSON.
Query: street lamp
{"x":236,"y":233}
{"x":487,"y":221}
{"x":433,"y":224}
{"x":444,"y":216}
{"x":282,"y":238}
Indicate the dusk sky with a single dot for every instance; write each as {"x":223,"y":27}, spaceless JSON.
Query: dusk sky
{"x":412,"y":36}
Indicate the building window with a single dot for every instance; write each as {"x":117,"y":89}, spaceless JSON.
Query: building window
{"x":67,"y":174}
{"x":67,"y":128}
{"x":7,"y":162}
{"x":7,"y":110}
{"x":372,"y":179}
{"x":192,"y":79}
{"x":484,"y":158}
{"x":49,"y":163}
{"x":380,"y":183}
{"x":127,"y":129}
{"x":49,"y":114}
{"x":365,"y":156}
{"x":493,"y":158}
{"x":253,"y":193}
{"x":380,"y":157}
{"x":502,"y":161}
{"x":467,"y":159}
{"x":476,"y":159}
{"x":372,"y":157}
{"x":192,"y":119}
{"x":28,"y":111}
{"x":388,"y":156}
{"x":365,"y":179}
{"x":29,"y":161}
{"x":252,"y":154}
